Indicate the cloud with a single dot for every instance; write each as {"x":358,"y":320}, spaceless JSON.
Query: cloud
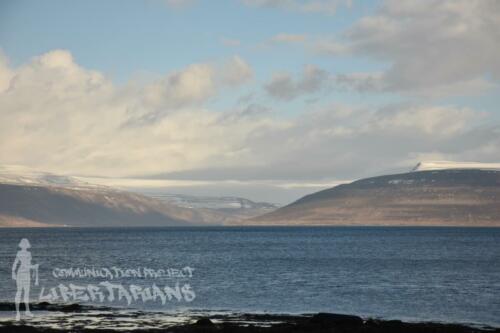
{"x":314,"y":80}
{"x":283,"y":86}
{"x":340,"y":142}
{"x":377,"y":82}
{"x":451,"y":49}
{"x":192,"y":85}
{"x":5,"y":72}
{"x":328,"y":7}
{"x":250,"y":111}
{"x":361,"y":82}
{"x":236,"y":71}
{"x":58,"y":116}
{"x":431,"y":120}
{"x":70,"y":119}
{"x":189,"y":87}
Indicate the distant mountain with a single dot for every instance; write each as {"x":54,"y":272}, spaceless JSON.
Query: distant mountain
{"x":30,"y":198}
{"x":457,"y":196}
{"x":233,"y":208}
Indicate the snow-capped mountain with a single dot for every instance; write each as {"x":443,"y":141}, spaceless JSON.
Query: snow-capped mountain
{"x":458,"y":195}
{"x":31,"y":198}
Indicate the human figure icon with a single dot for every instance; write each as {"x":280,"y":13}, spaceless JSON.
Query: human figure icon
{"x":21,"y":273}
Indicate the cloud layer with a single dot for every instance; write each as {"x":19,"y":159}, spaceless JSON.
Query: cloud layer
{"x":61,"y":117}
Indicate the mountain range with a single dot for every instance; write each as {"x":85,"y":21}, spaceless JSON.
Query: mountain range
{"x":433,"y":193}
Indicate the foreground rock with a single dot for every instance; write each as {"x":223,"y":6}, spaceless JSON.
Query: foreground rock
{"x":234,"y":323}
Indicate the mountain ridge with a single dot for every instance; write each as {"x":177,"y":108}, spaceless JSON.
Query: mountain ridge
{"x":59,"y":206}
{"x":462,"y":197}
{"x":32,"y":198}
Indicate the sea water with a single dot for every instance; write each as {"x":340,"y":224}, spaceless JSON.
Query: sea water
{"x":419,"y":274}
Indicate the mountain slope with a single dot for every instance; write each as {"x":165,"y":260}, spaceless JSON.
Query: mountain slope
{"x":30,"y":205}
{"x":30,"y":198}
{"x":469,"y":197}
{"x":170,"y":207}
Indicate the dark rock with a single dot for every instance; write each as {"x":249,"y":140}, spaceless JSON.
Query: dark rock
{"x":268,"y":323}
{"x":332,"y":319}
{"x":204,"y":322}
{"x":71,"y":308}
{"x":19,"y":329}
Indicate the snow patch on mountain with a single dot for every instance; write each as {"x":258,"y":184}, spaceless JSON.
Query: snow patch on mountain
{"x":21,"y":175}
{"x":443,"y":165}
{"x":216,"y":203}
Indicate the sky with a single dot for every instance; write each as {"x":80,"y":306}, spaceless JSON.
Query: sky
{"x":266,"y":99}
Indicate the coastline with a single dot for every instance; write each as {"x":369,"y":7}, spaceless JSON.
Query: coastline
{"x":58,"y":318}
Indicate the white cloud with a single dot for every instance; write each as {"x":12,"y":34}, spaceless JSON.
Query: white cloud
{"x":345,"y":143}
{"x":361,"y":142}
{"x":432,"y":120}
{"x":69,"y":119}
{"x":192,"y":85}
{"x":5,"y":72}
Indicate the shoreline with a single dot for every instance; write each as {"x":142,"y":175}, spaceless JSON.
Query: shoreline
{"x":58,"y":318}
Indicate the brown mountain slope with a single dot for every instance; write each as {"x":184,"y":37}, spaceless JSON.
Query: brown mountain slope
{"x":27,"y":205}
{"x":444,"y":197}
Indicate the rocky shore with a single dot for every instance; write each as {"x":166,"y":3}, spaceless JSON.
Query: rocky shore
{"x":50,"y":318}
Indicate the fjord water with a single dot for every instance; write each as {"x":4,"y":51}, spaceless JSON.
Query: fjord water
{"x":422,"y":274}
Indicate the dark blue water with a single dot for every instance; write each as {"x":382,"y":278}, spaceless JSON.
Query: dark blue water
{"x":443,"y":274}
